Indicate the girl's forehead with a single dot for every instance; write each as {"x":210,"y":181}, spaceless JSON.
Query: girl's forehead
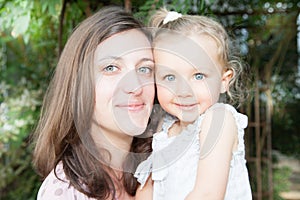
{"x":191,"y":49}
{"x":170,"y":61}
{"x":196,"y":49}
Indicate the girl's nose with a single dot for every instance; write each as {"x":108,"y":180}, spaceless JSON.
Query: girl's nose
{"x":183,"y":89}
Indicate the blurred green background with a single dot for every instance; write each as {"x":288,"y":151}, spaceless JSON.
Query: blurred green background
{"x":266,"y":33}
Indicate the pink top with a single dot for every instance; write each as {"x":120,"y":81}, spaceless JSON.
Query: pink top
{"x":53,"y":188}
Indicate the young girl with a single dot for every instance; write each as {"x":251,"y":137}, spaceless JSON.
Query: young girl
{"x":99,"y":99}
{"x":199,"y":151}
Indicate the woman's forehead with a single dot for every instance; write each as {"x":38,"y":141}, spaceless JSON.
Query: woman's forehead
{"x":123,"y":43}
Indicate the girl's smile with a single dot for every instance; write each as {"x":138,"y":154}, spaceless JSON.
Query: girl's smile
{"x":186,"y":107}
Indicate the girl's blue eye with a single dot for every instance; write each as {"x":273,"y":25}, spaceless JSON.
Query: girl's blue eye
{"x":145,"y":70}
{"x":110,"y":68}
{"x":199,"y":76}
{"x":170,"y":77}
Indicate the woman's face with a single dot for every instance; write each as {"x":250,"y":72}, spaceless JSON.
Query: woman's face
{"x":124,"y":90}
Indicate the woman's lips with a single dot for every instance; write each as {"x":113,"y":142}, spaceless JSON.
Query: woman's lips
{"x":135,"y":107}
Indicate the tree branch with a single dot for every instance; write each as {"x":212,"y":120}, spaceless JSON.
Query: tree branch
{"x":61,"y":26}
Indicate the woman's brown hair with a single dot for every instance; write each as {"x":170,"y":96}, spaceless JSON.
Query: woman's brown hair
{"x":67,"y":111}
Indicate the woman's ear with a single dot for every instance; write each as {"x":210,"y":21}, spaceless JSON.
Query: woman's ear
{"x":226,"y":77}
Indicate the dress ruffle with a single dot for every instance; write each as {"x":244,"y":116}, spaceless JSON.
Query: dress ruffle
{"x":185,"y":148}
{"x":167,"y":150}
{"x":165,"y":153}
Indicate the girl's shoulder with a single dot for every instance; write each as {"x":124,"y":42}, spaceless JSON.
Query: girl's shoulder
{"x":57,"y":186}
{"x":240,"y":119}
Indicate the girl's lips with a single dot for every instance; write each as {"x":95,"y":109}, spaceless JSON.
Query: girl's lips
{"x":186,"y":106}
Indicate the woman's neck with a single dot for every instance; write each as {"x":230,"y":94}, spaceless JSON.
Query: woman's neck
{"x":118,"y":145}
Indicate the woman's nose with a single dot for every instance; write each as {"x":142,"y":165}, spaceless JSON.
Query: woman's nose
{"x":131,"y":83}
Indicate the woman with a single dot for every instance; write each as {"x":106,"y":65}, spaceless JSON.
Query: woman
{"x":99,"y":99}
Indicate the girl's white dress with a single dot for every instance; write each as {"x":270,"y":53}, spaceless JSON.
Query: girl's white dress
{"x":174,"y":161}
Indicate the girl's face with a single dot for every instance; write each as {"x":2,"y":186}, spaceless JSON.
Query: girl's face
{"x":124,"y":90}
{"x":189,"y":75}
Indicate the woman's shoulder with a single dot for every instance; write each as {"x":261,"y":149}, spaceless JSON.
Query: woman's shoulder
{"x":57,"y":186}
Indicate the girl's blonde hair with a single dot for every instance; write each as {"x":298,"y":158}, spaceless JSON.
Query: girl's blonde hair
{"x":187,"y":24}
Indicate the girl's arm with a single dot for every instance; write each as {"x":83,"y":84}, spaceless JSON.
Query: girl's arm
{"x":218,"y":139}
{"x":146,"y":193}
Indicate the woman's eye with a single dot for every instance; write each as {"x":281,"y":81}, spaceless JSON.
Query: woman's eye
{"x":199,"y":76}
{"x":111,"y":68}
{"x":145,"y":70}
{"x":169,"y":77}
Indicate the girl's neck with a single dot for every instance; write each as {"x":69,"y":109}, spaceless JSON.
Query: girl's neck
{"x":177,"y":128}
{"x":183,"y":124}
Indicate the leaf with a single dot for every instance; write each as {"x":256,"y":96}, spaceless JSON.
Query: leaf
{"x":210,"y":2}
{"x":21,"y":25}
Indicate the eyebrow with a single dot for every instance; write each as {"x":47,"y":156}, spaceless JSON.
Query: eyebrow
{"x":120,"y":58}
{"x":145,"y":60}
{"x":110,"y":58}
{"x":164,"y":71}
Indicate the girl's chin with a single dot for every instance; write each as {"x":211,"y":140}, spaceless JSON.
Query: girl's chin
{"x":188,"y":118}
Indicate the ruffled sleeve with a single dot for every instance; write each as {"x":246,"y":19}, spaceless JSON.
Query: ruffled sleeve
{"x":144,"y":170}
{"x":241,"y":119}
{"x":241,"y":123}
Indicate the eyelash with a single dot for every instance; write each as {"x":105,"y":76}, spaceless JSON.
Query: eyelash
{"x":167,"y":77}
{"x":197,"y":74}
{"x":145,"y":70}
{"x":106,"y":69}
{"x":171,"y":77}
{"x":141,"y":70}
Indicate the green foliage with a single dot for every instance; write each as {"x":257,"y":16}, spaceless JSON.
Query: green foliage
{"x":191,"y":7}
{"x":145,"y":10}
{"x":17,"y":18}
{"x":25,"y":65}
{"x":281,"y":181}
{"x":18,"y":180}
{"x":286,"y":129}
{"x":19,"y":108}
{"x":17,"y":111}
